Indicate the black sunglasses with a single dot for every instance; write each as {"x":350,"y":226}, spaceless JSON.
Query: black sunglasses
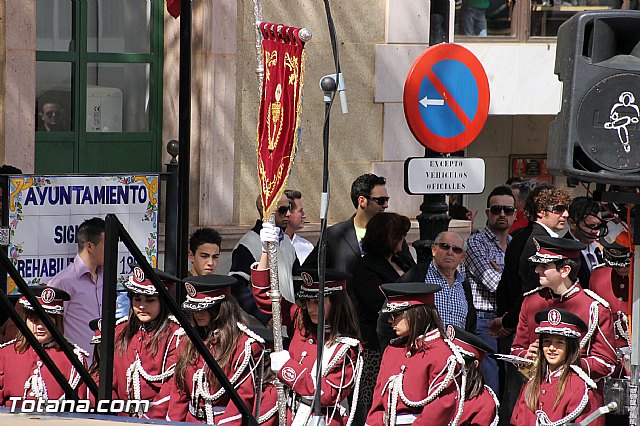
{"x":284,"y":209}
{"x":508,"y":210}
{"x":380,"y":200}
{"x":558,"y":208}
{"x":446,"y":247}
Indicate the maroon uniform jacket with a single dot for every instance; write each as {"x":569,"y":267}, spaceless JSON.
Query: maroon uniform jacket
{"x":615,"y":290}
{"x":202,"y":404}
{"x":341,"y":363}
{"x":269,"y":406}
{"x":578,"y":401}
{"x":25,"y":375}
{"x":598,"y":353}
{"x":481,"y":410}
{"x":139,"y":374}
{"x":422,"y":380}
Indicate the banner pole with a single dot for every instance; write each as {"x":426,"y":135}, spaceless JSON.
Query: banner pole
{"x":257,"y":15}
{"x":274,"y":295}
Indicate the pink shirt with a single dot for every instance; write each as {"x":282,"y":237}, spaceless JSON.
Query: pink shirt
{"x":85,"y":304}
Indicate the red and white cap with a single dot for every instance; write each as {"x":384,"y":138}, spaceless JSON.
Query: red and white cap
{"x":50,"y":298}
{"x":205,"y":291}
{"x":402,"y":296}
{"x":560,"y":322}
{"x":139,"y":284}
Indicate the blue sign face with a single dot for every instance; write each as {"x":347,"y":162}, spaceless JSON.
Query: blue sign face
{"x":448,"y":117}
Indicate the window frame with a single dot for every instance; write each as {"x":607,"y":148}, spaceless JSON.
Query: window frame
{"x":80,"y":59}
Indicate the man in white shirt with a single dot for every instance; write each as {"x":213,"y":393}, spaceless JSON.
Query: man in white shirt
{"x":296,"y":223}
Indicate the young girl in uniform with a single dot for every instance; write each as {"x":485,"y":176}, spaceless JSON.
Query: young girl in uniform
{"x":145,"y":347}
{"x":196,"y":394}
{"x":560,"y":391}
{"x":418,"y":379}
{"x":480,"y":402}
{"x":22,"y":372}
{"x":296,"y":368}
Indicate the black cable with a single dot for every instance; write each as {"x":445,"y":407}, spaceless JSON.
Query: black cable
{"x":317,"y":407}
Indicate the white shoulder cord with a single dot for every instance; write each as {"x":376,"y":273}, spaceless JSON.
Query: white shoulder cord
{"x":543,"y":419}
{"x":622,"y":331}
{"x":495,"y":399}
{"x":356,"y":389}
{"x":201,"y":386}
{"x":593,"y":323}
{"x":396,"y":390}
{"x":36,"y":383}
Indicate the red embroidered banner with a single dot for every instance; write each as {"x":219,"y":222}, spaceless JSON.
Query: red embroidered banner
{"x":280,"y":106}
{"x":173,"y":7}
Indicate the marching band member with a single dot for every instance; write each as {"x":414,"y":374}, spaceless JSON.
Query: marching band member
{"x":417,"y":379}
{"x":611,"y":282}
{"x":145,"y":347}
{"x":22,"y":372}
{"x":560,"y":391}
{"x":196,"y":394}
{"x":296,"y":368}
{"x":558,"y":262}
{"x":94,"y":369}
{"x":480,"y":402}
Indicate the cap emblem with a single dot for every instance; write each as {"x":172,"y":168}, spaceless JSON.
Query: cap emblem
{"x":554,"y":317}
{"x":451,"y":332}
{"x":100,"y":324}
{"x":48,"y":295}
{"x":191,"y":290}
{"x":138,"y":275}
{"x":307,"y":279}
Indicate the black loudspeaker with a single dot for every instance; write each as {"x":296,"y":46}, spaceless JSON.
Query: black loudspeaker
{"x":596,"y":135}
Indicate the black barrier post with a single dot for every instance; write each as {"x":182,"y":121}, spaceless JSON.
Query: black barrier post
{"x":47,"y":322}
{"x":108,"y":307}
{"x":114,"y":226}
{"x":184,"y":131}
{"x":171,"y":231}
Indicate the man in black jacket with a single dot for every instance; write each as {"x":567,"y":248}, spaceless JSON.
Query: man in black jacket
{"x":369,"y":196}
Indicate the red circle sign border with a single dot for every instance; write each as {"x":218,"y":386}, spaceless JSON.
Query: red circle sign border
{"x":411,"y":103}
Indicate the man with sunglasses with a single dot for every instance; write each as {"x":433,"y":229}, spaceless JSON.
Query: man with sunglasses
{"x":369,"y":197}
{"x":484,"y":265}
{"x":546,"y":208}
{"x":454,"y":301}
{"x":248,"y":250}
{"x":586,"y":225}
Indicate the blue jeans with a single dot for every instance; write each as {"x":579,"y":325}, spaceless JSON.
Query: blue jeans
{"x":489,"y":364}
{"x":473,"y":21}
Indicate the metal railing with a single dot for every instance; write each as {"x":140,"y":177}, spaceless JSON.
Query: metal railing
{"x":114,"y":232}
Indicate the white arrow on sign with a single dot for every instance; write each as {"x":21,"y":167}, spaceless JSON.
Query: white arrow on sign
{"x":425,"y":102}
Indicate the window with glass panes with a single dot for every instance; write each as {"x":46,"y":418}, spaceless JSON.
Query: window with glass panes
{"x":98,"y":85}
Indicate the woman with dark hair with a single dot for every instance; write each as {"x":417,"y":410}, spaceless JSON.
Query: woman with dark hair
{"x":296,"y":368}
{"x":559,"y":392}
{"x":145,"y":347}
{"x":382,"y":263}
{"x":417,"y":380}
{"x":22,"y":372}
{"x":196,"y":393}
{"x":480,"y":402}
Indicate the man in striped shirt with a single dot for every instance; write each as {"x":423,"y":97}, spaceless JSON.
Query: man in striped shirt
{"x":484,"y":264}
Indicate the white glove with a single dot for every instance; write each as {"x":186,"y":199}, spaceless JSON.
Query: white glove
{"x":278,"y":359}
{"x":269,"y":234}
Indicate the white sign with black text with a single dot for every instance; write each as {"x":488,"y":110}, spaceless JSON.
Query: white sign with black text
{"x":444,"y":175}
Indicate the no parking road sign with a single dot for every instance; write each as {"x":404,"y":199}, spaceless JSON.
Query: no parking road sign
{"x":446,"y":98}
